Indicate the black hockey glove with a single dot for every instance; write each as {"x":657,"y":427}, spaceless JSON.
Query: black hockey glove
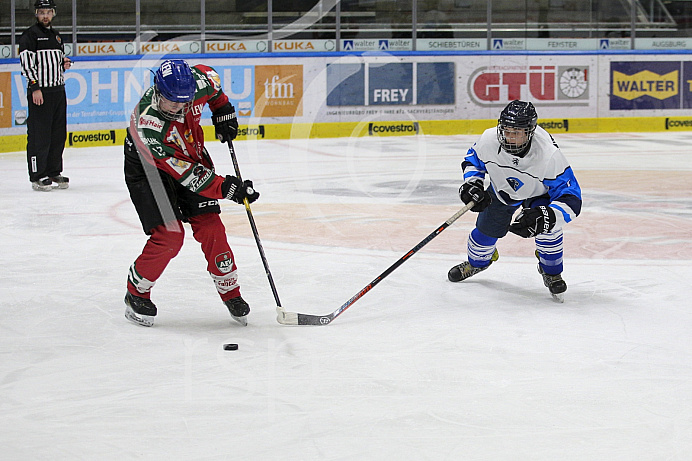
{"x":225,"y":123}
{"x":473,"y":190}
{"x":233,"y":189}
{"x":533,"y":221}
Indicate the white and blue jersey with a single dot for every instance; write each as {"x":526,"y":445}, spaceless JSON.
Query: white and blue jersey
{"x":543,"y":170}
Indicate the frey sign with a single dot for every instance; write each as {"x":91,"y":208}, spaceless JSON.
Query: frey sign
{"x":390,"y":84}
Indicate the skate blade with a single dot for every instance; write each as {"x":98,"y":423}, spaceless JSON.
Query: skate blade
{"x":241,"y":320}
{"x":143,"y":320}
{"x":559,"y":297}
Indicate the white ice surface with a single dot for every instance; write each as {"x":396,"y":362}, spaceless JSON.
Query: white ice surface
{"x":418,"y":369}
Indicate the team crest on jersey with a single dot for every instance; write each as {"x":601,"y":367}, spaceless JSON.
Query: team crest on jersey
{"x":215,"y":79}
{"x":178,"y":165}
{"x":199,"y":177}
{"x":188,"y":136}
{"x":174,"y":136}
{"x":514,"y":183}
{"x":224,"y":262}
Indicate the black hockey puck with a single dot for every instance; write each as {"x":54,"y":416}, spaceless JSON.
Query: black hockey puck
{"x":230,"y":347}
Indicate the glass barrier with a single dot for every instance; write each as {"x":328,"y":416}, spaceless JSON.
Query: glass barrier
{"x":215,"y":26}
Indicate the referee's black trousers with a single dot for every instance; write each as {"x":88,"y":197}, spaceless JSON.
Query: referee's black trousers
{"x":46,"y":133}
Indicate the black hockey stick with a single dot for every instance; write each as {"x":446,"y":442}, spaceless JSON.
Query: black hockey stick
{"x":254,"y":231}
{"x":294,"y":318}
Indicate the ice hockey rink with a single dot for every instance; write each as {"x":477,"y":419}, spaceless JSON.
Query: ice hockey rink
{"x":417,"y":369}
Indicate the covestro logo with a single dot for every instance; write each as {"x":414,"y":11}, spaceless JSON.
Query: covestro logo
{"x":683,"y":124}
{"x":375,"y":129}
{"x":82,"y":139}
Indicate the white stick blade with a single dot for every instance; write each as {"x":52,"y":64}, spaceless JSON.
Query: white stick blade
{"x":286,"y":318}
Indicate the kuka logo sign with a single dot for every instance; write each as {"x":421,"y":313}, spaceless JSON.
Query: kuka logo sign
{"x":5,"y":100}
{"x":497,"y":85}
{"x":278,"y":91}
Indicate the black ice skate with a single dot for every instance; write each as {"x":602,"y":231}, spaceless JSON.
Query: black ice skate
{"x":60,"y":182}
{"x":139,"y":310}
{"x":465,"y":270}
{"x":239,"y":309}
{"x":555,"y":284}
{"x":43,"y":184}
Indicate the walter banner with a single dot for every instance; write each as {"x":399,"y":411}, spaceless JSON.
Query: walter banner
{"x":645,"y":85}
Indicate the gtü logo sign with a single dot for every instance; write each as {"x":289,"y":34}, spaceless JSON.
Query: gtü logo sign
{"x":490,"y":84}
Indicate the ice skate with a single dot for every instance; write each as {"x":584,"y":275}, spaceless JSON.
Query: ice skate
{"x":60,"y":182}
{"x":555,"y":284}
{"x":239,"y":309}
{"x":43,"y":184}
{"x":139,"y":310}
{"x":465,"y":270}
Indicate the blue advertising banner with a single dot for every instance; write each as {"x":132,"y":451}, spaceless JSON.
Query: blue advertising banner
{"x":109,"y":94}
{"x":391,"y":84}
{"x":345,"y":85}
{"x":686,"y":89}
{"x":645,"y":85}
{"x":435,"y":83}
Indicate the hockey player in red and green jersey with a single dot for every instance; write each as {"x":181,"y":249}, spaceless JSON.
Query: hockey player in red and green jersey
{"x":171,"y":180}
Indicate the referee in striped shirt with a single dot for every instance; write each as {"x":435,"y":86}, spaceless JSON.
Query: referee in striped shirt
{"x":43,"y":62}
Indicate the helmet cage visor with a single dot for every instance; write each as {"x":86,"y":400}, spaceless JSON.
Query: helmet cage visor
{"x":166,"y":113}
{"x":514,"y":139}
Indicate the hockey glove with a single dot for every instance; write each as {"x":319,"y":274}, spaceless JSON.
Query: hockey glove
{"x":473,"y":190}
{"x":233,"y":189}
{"x":533,"y":221}
{"x":225,"y":123}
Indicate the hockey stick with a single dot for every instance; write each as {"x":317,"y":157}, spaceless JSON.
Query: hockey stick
{"x":294,"y":318}
{"x":254,"y":231}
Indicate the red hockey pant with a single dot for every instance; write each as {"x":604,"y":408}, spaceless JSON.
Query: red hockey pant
{"x":164,"y":244}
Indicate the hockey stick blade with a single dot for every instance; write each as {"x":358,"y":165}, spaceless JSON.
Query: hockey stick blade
{"x":294,"y":318}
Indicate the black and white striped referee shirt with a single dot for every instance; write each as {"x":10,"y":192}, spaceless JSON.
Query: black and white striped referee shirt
{"x":41,"y":53}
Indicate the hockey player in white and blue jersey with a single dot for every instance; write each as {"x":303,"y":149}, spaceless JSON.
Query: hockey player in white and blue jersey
{"x":526,"y":169}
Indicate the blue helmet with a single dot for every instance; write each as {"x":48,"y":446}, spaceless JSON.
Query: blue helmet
{"x":174,"y":81}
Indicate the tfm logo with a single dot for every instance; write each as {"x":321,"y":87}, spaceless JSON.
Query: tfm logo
{"x":490,"y":85}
